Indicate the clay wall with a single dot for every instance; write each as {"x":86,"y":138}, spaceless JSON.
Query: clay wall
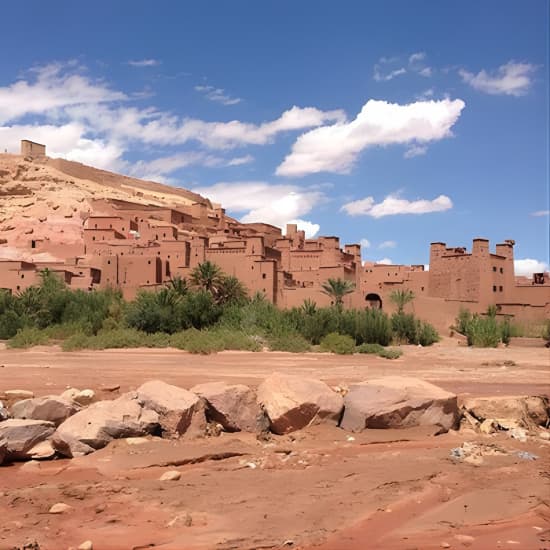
{"x":32,"y":149}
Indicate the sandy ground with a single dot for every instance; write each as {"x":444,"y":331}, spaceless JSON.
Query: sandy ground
{"x":318,"y":489}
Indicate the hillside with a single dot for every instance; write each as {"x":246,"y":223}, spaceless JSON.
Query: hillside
{"x":50,"y":198}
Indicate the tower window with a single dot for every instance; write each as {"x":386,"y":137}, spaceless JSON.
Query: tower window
{"x":494,"y":288}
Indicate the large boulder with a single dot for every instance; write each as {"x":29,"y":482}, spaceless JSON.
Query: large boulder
{"x":52,"y":408}
{"x":509,"y":411}
{"x":179,"y":410}
{"x":293,"y":402}
{"x":398,"y":402}
{"x":21,"y":436}
{"x":92,"y":428}
{"x":233,"y":406}
{"x":3,"y":450}
{"x":4,"y":414}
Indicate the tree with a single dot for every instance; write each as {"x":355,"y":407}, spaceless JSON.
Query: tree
{"x":207,"y":276}
{"x":337,"y":289}
{"x":178,"y":285}
{"x":401,"y":298}
{"x":309,"y":307}
{"x":231,"y":291}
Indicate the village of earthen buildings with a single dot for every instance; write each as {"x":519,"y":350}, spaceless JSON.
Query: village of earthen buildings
{"x":134,"y":244}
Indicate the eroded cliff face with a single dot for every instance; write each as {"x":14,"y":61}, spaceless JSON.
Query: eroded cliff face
{"x":48,"y":200}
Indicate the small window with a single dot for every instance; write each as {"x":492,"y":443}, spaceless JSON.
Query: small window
{"x":93,"y":238}
{"x":500,"y":288}
{"x":22,"y":275}
{"x":494,"y":288}
{"x":149,"y":262}
{"x":501,"y":270}
{"x":109,"y":262}
{"x":18,"y":287}
{"x":33,"y":244}
{"x":264,"y":276}
{"x":494,"y":268}
{"x":422,"y":288}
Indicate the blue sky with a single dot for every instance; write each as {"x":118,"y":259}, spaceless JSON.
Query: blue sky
{"x":391,"y":123}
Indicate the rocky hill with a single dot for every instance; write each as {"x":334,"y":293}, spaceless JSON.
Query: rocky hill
{"x":51,"y":198}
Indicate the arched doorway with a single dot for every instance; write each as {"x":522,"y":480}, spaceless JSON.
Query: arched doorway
{"x":373,"y":301}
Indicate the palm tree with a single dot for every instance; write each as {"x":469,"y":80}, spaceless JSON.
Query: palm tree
{"x":309,"y":307}
{"x":401,"y":298}
{"x":207,"y":276}
{"x":231,"y":290}
{"x":337,"y":289}
{"x":178,"y":285}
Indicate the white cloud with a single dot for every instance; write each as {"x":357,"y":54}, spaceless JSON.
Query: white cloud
{"x":365,"y":243}
{"x":259,"y":201}
{"x":335,"y":148}
{"x":238,"y":161}
{"x":387,"y":244}
{"x":52,"y":87}
{"x":415,"y":151}
{"x":389,"y":68}
{"x":144,"y":62}
{"x":309,"y":228}
{"x":529,"y":266}
{"x":381,"y":77}
{"x":217,"y":95}
{"x":393,"y":205}
{"x":540,"y":213}
{"x":509,"y":79}
{"x":384,"y":261}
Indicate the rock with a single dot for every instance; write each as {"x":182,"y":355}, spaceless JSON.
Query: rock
{"x":510,"y":411}
{"x":178,"y":409}
{"x":4,"y":414}
{"x":3,"y":450}
{"x":42,"y":451}
{"x":111,"y":387}
{"x":86,"y":545}
{"x":518,"y":433}
{"x":293,"y":402}
{"x":233,"y":406}
{"x":488,"y":426}
{"x":70,"y":393}
{"x":398,"y":402}
{"x":52,"y":408}
{"x":84,"y":397}
{"x":171,"y":475}
{"x":18,"y":394}
{"x":93,"y":427}
{"x":22,"y":435}
{"x":59,"y":508}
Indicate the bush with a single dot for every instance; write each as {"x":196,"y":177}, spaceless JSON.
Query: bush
{"x":28,"y":337}
{"x":546,"y":333}
{"x":202,"y":342}
{"x":10,"y":323}
{"x":483,"y":331}
{"x":372,"y":326}
{"x":294,"y":343}
{"x":390,"y":353}
{"x":408,"y":329}
{"x":374,"y":349}
{"x":76,"y":342}
{"x":426,"y":335}
{"x":236,"y":340}
{"x":341,"y":344}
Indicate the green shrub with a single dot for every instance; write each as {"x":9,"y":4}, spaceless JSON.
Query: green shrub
{"x":426,"y":335}
{"x":390,"y":353}
{"x":404,"y":328}
{"x":341,"y":344}
{"x":294,"y":343}
{"x":374,"y":349}
{"x":371,"y":326}
{"x":236,"y":340}
{"x":546,"y":333}
{"x":28,"y":337}
{"x":505,"y":331}
{"x":76,"y":342}
{"x":10,"y":323}
{"x":203,"y":342}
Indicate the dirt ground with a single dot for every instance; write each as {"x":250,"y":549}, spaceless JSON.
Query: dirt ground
{"x":317,"y":489}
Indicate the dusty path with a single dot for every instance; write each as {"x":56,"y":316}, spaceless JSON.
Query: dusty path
{"x":513,"y":370}
{"x":318,"y":489}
